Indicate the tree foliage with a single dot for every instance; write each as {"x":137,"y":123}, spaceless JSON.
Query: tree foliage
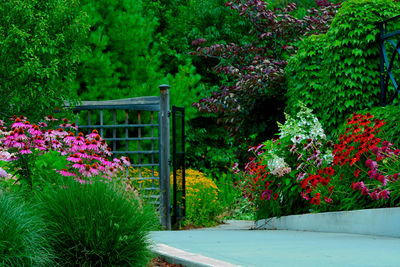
{"x":120,"y":61}
{"x":253,"y":97}
{"x":40,"y":44}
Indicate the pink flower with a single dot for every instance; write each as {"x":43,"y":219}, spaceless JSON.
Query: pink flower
{"x":65,"y":172}
{"x":3,"y":173}
{"x":34,"y":130}
{"x":384,"y":194}
{"x":79,"y":141}
{"x":69,"y":139}
{"x":93,"y":135}
{"x":42,"y":124}
{"x":93,"y":146}
{"x":126,"y":161}
{"x":5,"y":156}
{"x":89,"y":171}
{"x":50,"y":118}
{"x":79,"y":165}
{"x":73,"y":158}
{"x":26,"y":150}
{"x":19,"y":124}
{"x":55,"y":145}
{"x":19,"y":145}
{"x":375,"y":195}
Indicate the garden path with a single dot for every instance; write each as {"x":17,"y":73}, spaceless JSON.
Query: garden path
{"x":235,"y":244}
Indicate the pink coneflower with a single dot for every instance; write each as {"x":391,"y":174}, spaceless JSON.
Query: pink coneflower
{"x":60,"y":132}
{"x":87,"y":171}
{"x":42,"y":124}
{"x":18,"y":124}
{"x":69,"y":139}
{"x":126,"y":161}
{"x":83,"y":154}
{"x":73,"y":126}
{"x":93,"y":134}
{"x":34,"y":130}
{"x":105,"y":162}
{"x":79,"y":141}
{"x":26,"y":150}
{"x":93,"y":146}
{"x":95,"y":169}
{"x":65,"y":125}
{"x":108,"y":151}
{"x":79,"y":165}
{"x":19,"y":145}
{"x":73,"y":158}
{"x":65,"y":172}
{"x":50,"y":118}
{"x":94,"y":156}
{"x":56,"y":145}
{"x":1,"y":122}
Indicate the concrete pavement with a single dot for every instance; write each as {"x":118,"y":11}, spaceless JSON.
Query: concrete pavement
{"x":234,"y":244}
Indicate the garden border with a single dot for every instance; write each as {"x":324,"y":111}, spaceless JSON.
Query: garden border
{"x":378,"y":222}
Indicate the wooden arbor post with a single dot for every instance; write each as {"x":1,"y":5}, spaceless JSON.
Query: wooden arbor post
{"x":165,"y":184}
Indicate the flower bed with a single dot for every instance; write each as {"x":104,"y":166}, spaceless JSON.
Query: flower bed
{"x":303,"y":172}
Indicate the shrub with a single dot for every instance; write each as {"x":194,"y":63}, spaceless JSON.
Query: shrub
{"x":338,"y":73}
{"x":47,"y":39}
{"x":272,"y":178}
{"x":202,"y":205}
{"x":368,"y":166}
{"x":97,"y":225}
{"x":252,"y":95}
{"x":362,"y":171}
{"x":23,"y":239}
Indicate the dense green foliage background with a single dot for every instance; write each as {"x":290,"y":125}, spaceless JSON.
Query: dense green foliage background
{"x":40,"y":45}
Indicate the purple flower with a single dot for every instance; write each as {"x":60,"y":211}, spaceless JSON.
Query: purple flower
{"x":3,"y":173}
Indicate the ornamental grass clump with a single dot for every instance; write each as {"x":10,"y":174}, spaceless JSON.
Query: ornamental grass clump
{"x":23,"y":236}
{"x":98,"y":224}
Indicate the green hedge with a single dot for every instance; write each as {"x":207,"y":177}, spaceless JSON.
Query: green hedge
{"x":338,"y":73}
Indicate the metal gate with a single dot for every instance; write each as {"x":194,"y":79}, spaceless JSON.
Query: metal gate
{"x":178,"y":164}
{"x":140,"y":129}
{"x":387,"y":69}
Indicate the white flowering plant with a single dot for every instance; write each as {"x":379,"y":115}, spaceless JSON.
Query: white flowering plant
{"x":273,"y":177}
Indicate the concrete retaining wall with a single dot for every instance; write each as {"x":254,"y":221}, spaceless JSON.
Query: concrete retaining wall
{"x":381,"y":222}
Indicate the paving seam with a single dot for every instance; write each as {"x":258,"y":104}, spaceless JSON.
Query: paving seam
{"x":188,"y":259}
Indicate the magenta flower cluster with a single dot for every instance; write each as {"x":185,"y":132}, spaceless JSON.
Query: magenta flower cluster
{"x":87,"y":156}
{"x":380,"y":153}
